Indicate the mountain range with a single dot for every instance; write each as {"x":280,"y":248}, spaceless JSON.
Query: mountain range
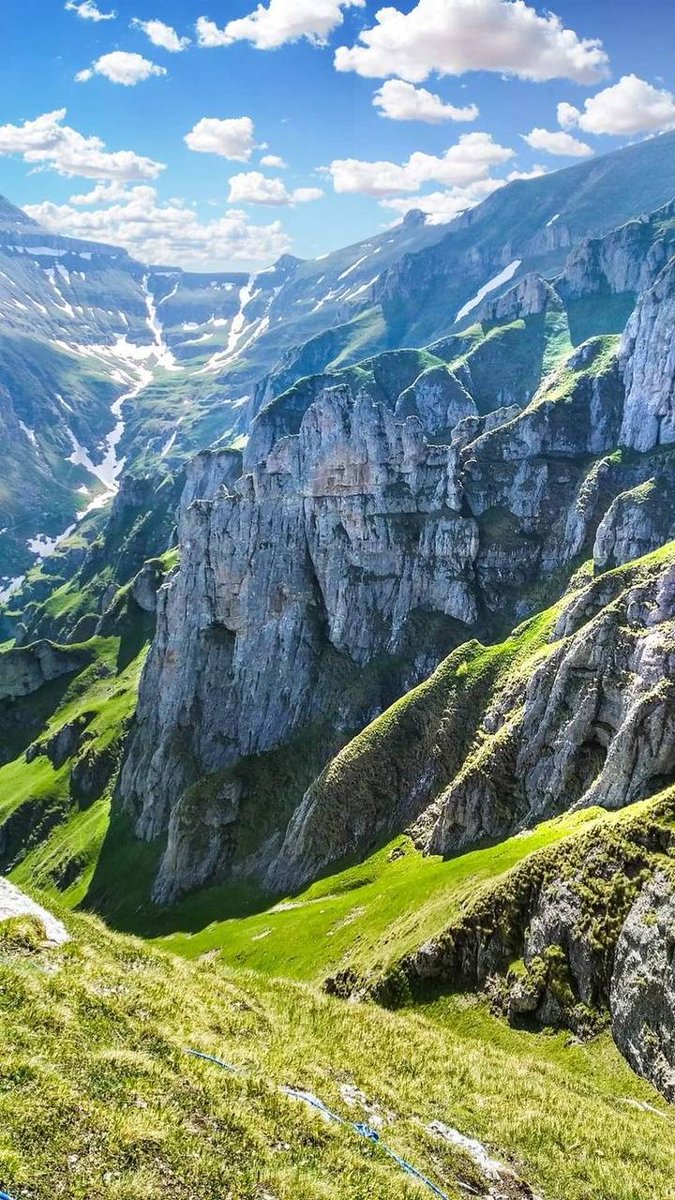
{"x":339,"y":604}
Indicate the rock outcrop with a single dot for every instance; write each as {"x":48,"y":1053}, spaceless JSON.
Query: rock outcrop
{"x":642,"y":996}
{"x":648,"y":352}
{"x":24,"y":670}
{"x":15,"y":904}
{"x":587,"y":718}
{"x":292,"y":582}
{"x":376,"y":503}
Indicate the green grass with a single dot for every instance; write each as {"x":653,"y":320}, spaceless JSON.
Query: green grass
{"x":370,"y":914}
{"x":98,"y":1098}
{"x":561,"y":385}
{"x":54,"y":838}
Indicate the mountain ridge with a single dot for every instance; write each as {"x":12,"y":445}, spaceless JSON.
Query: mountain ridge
{"x":416,"y":609}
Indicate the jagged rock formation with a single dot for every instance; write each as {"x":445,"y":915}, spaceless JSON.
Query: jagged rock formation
{"x":599,"y":713}
{"x":23,"y":671}
{"x":638,"y":520}
{"x":375,"y":498}
{"x":321,"y":554}
{"x":587,"y":719}
{"x":649,"y":356}
{"x":579,"y":936}
{"x":226,"y":343}
{"x":378,"y":514}
{"x":642,"y":995}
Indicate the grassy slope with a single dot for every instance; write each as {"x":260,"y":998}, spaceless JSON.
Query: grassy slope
{"x":132,"y":1117}
{"x":105,"y":691}
{"x":370,"y":914}
{"x":97,"y":1097}
{"x":366,"y":914}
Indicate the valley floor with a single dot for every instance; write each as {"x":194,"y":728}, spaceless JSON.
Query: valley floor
{"x":368,"y":915}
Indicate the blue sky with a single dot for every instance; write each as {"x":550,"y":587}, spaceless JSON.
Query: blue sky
{"x":599,"y":76}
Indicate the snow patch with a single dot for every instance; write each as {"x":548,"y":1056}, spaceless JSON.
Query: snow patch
{"x":30,"y":434}
{"x":164,"y":355}
{"x":14,"y":903}
{"x":238,"y":330}
{"x":44,"y":546}
{"x":492,"y":1169}
{"x":359,"y":291}
{"x":502,"y":277}
{"x":9,"y":586}
{"x":354,"y":267}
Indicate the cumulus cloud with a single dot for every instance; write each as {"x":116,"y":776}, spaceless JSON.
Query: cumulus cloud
{"x":48,"y":142}
{"x":89,"y":11}
{"x":454,"y":36}
{"x":161,"y":35}
{"x":101,"y":193}
{"x":230,"y":138}
{"x":252,"y":187}
{"x":441,"y":207}
{"x":120,"y":66}
{"x":557,"y":142}
{"x":628,"y":107}
{"x":402,"y":101}
{"x":169,"y":233}
{"x":272,"y":25}
{"x":467,"y":162}
{"x":273,"y":160}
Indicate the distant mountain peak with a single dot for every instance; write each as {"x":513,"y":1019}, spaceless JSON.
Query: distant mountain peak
{"x":10,"y":215}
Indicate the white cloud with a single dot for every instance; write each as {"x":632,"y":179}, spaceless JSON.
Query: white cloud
{"x":401,"y":101}
{"x":89,"y":11}
{"x":303,"y":195}
{"x":251,"y":187}
{"x":101,"y":193}
{"x":169,"y":233}
{"x":161,"y":35}
{"x":120,"y":66}
{"x":49,"y":142}
{"x":468,"y":161}
{"x":231,"y":138}
{"x":454,"y":36}
{"x":441,"y":207}
{"x":536,"y":173}
{"x":209,"y":35}
{"x":556,"y":142}
{"x":272,"y":25}
{"x":273,"y":160}
{"x":628,"y":107}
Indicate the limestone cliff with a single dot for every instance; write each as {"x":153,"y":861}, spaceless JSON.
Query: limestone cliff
{"x":384,"y":514}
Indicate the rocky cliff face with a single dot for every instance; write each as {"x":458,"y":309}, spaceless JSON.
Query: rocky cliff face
{"x":294,"y":579}
{"x":298,"y":705}
{"x":379,"y":517}
{"x":578,"y":714}
{"x":642,"y":995}
{"x":649,"y":367}
{"x":104,"y":360}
